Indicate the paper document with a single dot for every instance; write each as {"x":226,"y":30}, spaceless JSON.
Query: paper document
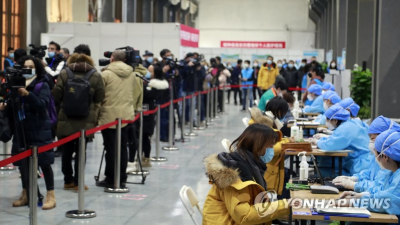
{"x":344,"y":210}
{"x":334,"y":151}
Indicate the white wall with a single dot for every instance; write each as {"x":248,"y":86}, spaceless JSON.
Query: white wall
{"x":256,"y":20}
{"x":103,"y":37}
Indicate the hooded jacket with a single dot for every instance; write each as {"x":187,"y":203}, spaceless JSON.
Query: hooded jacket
{"x":267,"y":75}
{"x":123,"y":93}
{"x":232,"y":197}
{"x":80,"y":64}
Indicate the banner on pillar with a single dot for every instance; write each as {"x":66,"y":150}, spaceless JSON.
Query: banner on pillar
{"x":260,"y":58}
{"x":254,"y":44}
{"x":230,"y":59}
{"x":189,"y":36}
{"x":343,"y":60}
{"x":329,"y":56}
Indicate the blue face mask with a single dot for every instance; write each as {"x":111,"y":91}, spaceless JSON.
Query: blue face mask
{"x":283,"y":119}
{"x":302,"y":64}
{"x":148,"y":75}
{"x":150,"y":59}
{"x":269,"y":62}
{"x":169,"y":57}
{"x":51,"y":54}
{"x":28,"y":76}
{"x":11,"y":55}
{"x":269,"y":154}
{"x":290,"y":66}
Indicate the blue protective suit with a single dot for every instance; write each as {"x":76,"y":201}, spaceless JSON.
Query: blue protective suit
{"x":317,"y":106}
{"x":321,"y":119}
{"x":361,"y":124}
{"x":349,"y":136}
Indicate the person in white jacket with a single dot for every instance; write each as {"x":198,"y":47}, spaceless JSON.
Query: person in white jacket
{"x":223,"y":75}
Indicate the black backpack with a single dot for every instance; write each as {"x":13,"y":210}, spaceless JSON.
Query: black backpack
{"x":77,"y":97}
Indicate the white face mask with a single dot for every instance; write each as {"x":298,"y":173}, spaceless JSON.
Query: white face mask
{"x":379,"y":163}
{"x":330,"y":126}
{"x":333,"y":64}
{"x":278,"y":124}
{"x":326,"y":106}
{"x":372,"y":147}
{"x":255,"y":64}
{"x":310,"y":97}
{"x":323,"y":92}
{"x":279,"y":65}
{"x":246,"y":65}
{"x":280,"y":95}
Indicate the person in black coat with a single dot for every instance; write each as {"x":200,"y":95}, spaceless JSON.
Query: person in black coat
{"x":292,"y":77}
{"x":36,"y":126}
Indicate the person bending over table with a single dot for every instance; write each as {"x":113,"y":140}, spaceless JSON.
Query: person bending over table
{"x":330,"y":98}
{"x":314,"y":95}
{"x":353,"y":108}
{"x":387,"y":152}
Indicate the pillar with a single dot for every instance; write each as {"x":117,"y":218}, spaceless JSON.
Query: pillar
{"x":351,"y":33}
{"x":365,"y":32}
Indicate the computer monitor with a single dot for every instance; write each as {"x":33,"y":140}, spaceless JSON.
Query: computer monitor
{"x":317,"y":169}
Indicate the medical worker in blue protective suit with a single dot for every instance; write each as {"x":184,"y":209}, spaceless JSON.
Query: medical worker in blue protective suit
{"x":373,"y":176}
{"x":330,"y":98}
{"x":314,"y":95}
{"x":387,"y":151}
{"x":347,"y":135}
{"x":327,"y":87}
{"x":353,"y":108}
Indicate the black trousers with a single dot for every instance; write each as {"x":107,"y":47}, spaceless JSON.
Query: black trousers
{"x":66,"y":161}
{"x":237,"y":91}
{"x":220,"y":99}
{"x":47,"y":173}
{"x":109,"y":138}
{"x":132,"y":140}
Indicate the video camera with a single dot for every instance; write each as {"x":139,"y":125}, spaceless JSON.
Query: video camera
{"x":14,"y":79}
{"x":132,"y":57}
{"x":38,"y":52}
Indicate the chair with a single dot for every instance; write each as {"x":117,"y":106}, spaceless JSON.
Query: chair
{"x":190,"y":200}
{"x":226,"y":143}
{"x":255,"y":103}
{"x":246,"y":121}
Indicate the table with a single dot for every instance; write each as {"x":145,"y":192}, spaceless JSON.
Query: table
{"x":315,"y":152}
{"x":306,"y":126}
{"x":309,"y":114}
{"x":306,"y":194}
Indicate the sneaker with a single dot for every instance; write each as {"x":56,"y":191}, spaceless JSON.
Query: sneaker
{"x":76,"y":188}
{"x":104,"y":183}
{"x":203,"y":124}
{"x":146,"y":162}
{"x":69,"y":186}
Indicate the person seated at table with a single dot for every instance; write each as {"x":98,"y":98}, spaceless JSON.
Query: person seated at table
{"x":353,"y":108}
{"x":387,"y":152}
{"x":347,"y":135}
{"x":374,"y":175}
{"x":330,"y":98}
{"x":278,"y":90}
{"x":327,"y":87}
{"x":237,"y":180}
{"x":314,"y":95}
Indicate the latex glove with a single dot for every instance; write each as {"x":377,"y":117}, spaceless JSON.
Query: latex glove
{"x":324,"y":130}
{"x":312,"y":141}
{"x":340,"y":178}
{"x":352,"y":194}
{"x":348,"y":184}
{"x":318,"y":136}
{"x":353,"y":178}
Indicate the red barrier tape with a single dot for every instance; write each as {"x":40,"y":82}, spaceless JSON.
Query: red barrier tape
{"x":165,"y":105}
{"x":204,"y":92}
{"x":103,"y":127}
{"x":15,"y":158}
{"x":150,"y":112}
{"x":188,"y":97}
{"x":178,"y":100}
{"x":297,"y":89}
{"x":130,"y":121}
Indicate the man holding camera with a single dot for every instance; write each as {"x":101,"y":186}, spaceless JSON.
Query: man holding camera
{"x":123,"y":97}
{"x":55,"y":62}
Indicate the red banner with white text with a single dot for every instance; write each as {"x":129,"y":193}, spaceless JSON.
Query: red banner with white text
{"x":254,"y":44}
{"x":189,"y":36}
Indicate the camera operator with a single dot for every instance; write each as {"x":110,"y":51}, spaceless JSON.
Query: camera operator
{"x":191,"y":73}
{"x":55,"y":62}
{"x":36,"y":126}
{"x":9,"y":60}
{"x":123,"y":96}
{"x":79,"y":66}
{"x":148,"y":59}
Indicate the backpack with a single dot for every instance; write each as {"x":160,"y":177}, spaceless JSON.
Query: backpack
{"x":77,"y":96}
{"x":51,"y":107}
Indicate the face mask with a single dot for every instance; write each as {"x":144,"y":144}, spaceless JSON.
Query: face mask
{"x":323,"y":92}
{"x":333,"y":64}
{"x":379,"y":163}
{"x":148,"y":75}
{"x":278,"y":124}
{"x":283,"y":119}
{"x":310,"y":97}
{"x":330,"y":126}
{"x":280,"y":94}
{"x":206,"y":67}
{"x":255,"y":64}
{"x":11,"y":55}
{"x":51,"y":54}
{"x":229,"y":67}
{"x":150,"y":59}
{"x":326,"y":107}
{"x":246,"y":65}
{"x":28,"y":76}
{"x":372,"y":147}
{"x":269,"y":154}
{"x":61,"y":55}
{"x":269,"y":62}
{"x":290,"y":66}
{"x":169,"y":57}
{"x":302,"y":64}
{"x":279,"y":65}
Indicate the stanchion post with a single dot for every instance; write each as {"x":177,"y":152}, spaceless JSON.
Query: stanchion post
{"x":171,"y":123}
{"x":191,"y":117}
{"x":8,"y":167}
{"x":223,"y":99}
{"x":212,"y":104}
{"x":117,"y":163}
{"x":157,"y":158}
{"x":199,"y":113}
{"x":81,"y":213}
{"x":216,"y":103}
{"x":139,"y":170}
{"x":33,"y":187}
{"x":247,"y":98}
{"x":208,"y":120}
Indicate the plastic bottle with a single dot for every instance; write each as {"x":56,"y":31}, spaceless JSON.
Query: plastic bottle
{"x":300,"y":134}
{"x":296,"y":109}
{"x":294,"y":131}
{"x":303,"y":166}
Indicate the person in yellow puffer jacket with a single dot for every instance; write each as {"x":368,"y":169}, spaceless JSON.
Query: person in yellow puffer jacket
{"x":267,"y":75}
{"x":237,"y":182}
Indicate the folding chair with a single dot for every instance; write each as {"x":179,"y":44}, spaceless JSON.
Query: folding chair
{"x":226,"y":143}
{"x":246,"y":121}
{"x":190,"y":200}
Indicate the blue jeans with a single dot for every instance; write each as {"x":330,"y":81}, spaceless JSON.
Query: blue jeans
{"x":203,"y":107}
{"x":187,"y":107}
{"x":164,"y":118}
{"x":244,"y":98}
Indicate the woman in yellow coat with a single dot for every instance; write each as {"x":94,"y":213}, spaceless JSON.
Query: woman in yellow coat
{"x":238,"y":186}
{"x":267,"y":75}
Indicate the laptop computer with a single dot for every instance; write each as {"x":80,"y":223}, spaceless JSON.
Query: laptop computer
{"x":323,"y":182}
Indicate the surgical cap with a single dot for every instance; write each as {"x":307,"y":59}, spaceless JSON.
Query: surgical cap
{"x":381,"y":124}
{"x":332,"y":96}
{"x":328,"y":86}
{"x":388,"y":143}
{"x":315,"y":89}
{"x":337,"y":112}
{"x":348,"y":103}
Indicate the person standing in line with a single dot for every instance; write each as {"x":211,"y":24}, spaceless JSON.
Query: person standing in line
{"x":267,"y":75}
{"x":123,"y":97}
{"x":256,"y":69}
{"x":247,"y":79}
{"x":292,"y":76}
{"x":235,"y":78}
{"x":65,"y":53}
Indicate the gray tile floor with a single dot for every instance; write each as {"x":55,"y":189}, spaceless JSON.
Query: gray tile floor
{"x":156,"y":202}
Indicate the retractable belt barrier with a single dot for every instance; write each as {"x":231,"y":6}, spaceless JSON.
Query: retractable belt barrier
{"x":58,"y":143}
